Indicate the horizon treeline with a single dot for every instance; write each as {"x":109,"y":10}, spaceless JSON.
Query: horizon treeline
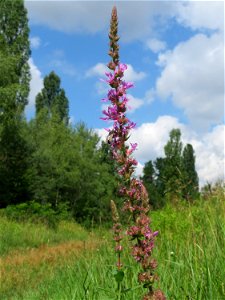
{"x":49,"y":161}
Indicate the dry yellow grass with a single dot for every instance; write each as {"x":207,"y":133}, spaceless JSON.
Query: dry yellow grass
{"x":18,"y":267}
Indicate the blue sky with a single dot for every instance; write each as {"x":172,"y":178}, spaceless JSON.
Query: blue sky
{"x":174,"y":51}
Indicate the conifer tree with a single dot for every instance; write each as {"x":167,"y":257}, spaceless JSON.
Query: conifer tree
{"x":52,"y":99}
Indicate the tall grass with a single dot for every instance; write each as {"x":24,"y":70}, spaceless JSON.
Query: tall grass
{"x":24,"y":235}
{"x":190,"y":250}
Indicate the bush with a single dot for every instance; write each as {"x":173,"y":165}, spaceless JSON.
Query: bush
{"x":37,"y":213}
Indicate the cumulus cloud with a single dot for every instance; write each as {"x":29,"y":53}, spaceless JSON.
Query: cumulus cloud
{"x":35,"y":42}
{"x":69,"y":17}
{"x":36,"y":84}
{"x":201,"y":14}
{"x":151,"y":137}
{"x":98,"y":70}
{"x":210,"y":158}
{"x":208,"y":147}
{"x":138,"y":20}
{"x":134,"y":103}
{"x":132,"y":75}
{"x":193,"y":75}
{"x":156,"y":45}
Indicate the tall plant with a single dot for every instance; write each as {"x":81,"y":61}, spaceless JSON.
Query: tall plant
{"x":136,"y":201}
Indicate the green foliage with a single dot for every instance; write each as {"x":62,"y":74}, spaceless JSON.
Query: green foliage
{"x":28,"y":234}
{"x":13,"y":163}
{"x":52,"y":101}
{"x":174,"y":176}
{"x":190,"y":176}
{"x":38,"y":213}
{"x":65,"y":165}
{"x":190,"y":249}
{"x":173,"y":161}
{"x":156,"y":197}
{"x":14,"y":88}
{"x":14,"y":55}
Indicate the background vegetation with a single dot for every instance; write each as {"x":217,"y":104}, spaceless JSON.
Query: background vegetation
{"x":53,"y":174}
{"x":71,"y":263}
{"x":54,"y":164}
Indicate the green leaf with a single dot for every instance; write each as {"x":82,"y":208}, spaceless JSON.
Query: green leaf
{"x":118,"y":275}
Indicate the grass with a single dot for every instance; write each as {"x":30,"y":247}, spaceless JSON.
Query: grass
{"x":190,"y":253}
{"x":22,"y":236}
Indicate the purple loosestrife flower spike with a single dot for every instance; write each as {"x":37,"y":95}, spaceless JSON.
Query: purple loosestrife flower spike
{"x":136,"y":201}
{"x":114,"y":38}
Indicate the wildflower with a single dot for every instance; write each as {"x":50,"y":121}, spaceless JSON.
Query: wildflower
{"x":136,"y":197}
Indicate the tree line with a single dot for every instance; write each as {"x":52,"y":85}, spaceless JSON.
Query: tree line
{"x":172,"y":177}
{"x":48,"y":160}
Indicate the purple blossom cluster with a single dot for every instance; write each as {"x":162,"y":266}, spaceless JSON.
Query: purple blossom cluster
{"x":136,"y":200}
{"x":134,"y":191}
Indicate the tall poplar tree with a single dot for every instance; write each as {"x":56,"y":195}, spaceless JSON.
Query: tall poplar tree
{"x":152,"y":185}
{"x":190,"y":176}
{"x":14,"y":55}
{"x":173,"y":167}
{"x":14,"y":89}
{"x":52,"y":100}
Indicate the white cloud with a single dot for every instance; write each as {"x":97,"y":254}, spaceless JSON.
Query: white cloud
{"x":151,"y":137}
{"x":139,"y":169}
{"x":210,"y":160}
{"x":137,"y":20}
{"x":134,"y":103}
{"x":132,"y":75}
{"x":36,"y":84}
{"x":201,"y":14}
{"x":193,"y":76}
{"x":69,"y":16}
{"x":98,"y":70}
{"x":156,"y":45}
{"x":208,"y":147}
{"x":35,"y":42}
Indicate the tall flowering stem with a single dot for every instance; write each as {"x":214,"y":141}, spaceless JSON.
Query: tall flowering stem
{"x":135,"y":196}
{"x":117,"y":230}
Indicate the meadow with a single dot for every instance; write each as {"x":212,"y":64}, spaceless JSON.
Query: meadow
{"x":71,"y":262}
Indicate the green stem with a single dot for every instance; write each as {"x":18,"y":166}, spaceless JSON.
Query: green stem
{"x":119,"y":290}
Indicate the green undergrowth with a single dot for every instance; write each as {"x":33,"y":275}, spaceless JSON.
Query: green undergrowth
{"x":189,"y":251}
{"x":24,"y":235}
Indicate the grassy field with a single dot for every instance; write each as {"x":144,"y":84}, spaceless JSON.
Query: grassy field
{"x":71,"y":263}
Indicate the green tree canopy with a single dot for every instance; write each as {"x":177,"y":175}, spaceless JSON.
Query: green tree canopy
{"x":174,"y":176}
{"x":172,"y":169}
{"x":156,"y":198}
{"x":14,"y":55}
{"x":14,"y":89}
{"x":52,"y":99}
{"x":190,"y":176}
